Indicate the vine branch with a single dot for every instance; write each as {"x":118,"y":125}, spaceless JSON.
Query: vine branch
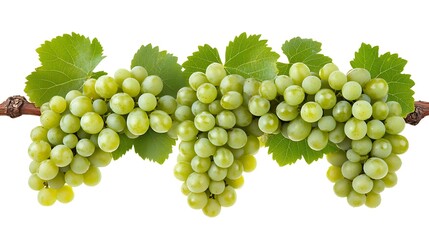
{"x":16,"y":106}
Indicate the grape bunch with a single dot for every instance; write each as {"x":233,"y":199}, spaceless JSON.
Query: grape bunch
{"x":79,"y":132}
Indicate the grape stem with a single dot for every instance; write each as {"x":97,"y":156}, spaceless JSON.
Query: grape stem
{"x":16,"y":106}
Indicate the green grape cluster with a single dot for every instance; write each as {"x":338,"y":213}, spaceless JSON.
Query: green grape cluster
{"x":79,"y":132}
{"x":218,"y":138}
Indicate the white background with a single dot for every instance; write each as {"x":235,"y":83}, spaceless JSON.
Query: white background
{"x":139,"y":199}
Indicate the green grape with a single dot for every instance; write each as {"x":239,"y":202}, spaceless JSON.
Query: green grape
{"x":268,"y":123}
{"x":286,"y":112}
{"x":223,"y":157}
{"x":35,"y":182}
{"x":69,"y":123}
{"x":395,"y":108}
{"x":327,"y":123}
{"x":326,"y":98}
{"x":218,"y":136}
{"x":131,"y":86}
{"x":258,"y":105}
{"x":184,"y":189}
{"x":376,"y":129}
{"x":376,"y":88}
{"x":365,"y":97}
{"x":100,"y":158}
{"x":311,"y":84}
{"x":237,"y":138}
{"x":57,"y":182}
{"x":186,"y":96}
{"x":373,"y":200}
{"x":199,"y":107}
{"x":381,"y":148}
{"x":359,"y":75}
{"x":336,"y":158}
{"x":121,"y":103}
{"x":99,"y":106}
{"x":243,"y":116}
{"x":375,"y":168}
{"x":160,"y":121}
{"x":120,"y":75}
{"x":79,"y":164}
{"x":231,"y":100}
{"x":326,"y":70}
{"x":88,"y":88}
{"x":351,"y":91}
{"x":253,"y":128}
{"x":268,"y":89}
{"x":137,"y":121}
{"x":399,"y":143}
{"x":197,"y":200}
{"x":47,"y":170}
{"x":233,"y":82}
{"x":197,"y":79}
{"x":362,"y":184}
{"x":183,"y":113}
{"x":390,"y":180}
{"x":212,"y":208}
{"x":228,"y":197}
{"x":362,"y":146}
{"x":200,"y":164}
{"x":152,"y":84}
{"x":147,"y":102}
{"x":182,"y":170}
{"x":55,"y":136}
{"x":204,"y":148}
{"x":356,"y":199}
{"x":394,"y":124}
{"x":235,"y":183}
{"x":337,"y":79}
{"x":345,"y":144}
{"x":61,"y":155}
{"x":250,"y":89}
{"x":353,"y":156}
{"x":226,"y":119}
{"x":317,"y":140}
{"x":235,"y":170}
{"x":72,"y":95}
{"x":167,"y":104}
{"x":355,"y":129}
{"x":380,"y":110}
{"x":342,"y":111}
{"x":198,"y":182}
{"x":92,"y":177}
{"x":282,"y":82}
{"x":337,"y":135}
{"x":45,"y":107}
{"x":204,"y":121}
{"x":361,"y":110}
{"x":350,"y":169}
{"x":379,"y":186}
{"x":217,"y":173}
{"x":39,"y":133}
{"x":215,"y":72}
{"x":91,"y":123}
{"x":58,"y":104}
{"x":106,"y":86}
{"x":217,"y":187}
{"x":81,"y":105}
{"x":293,"y":95}
{"x":139,"y":73}
{"x":186,"y":148}
{"x":39,"y":150}
{"x":73,"y":179}
{"x":311,"y":112}
{"x":342,"y":187}
{"x":108,"y":140}
{"x":116,"y":122}
{"x":215,"y":107}
{"x":50,"y":119}
{"x":298,"y":71}
{"x":298,"y":129}
{"x":393,"y":162}
{"x":186,"y":131}
{"x":252,"y":145}
{"x":47,"y":196}
{"x":334,"y":173}
{"x":65,"y":194}
{"x":34,"y":166}
{"x":85,"y":147}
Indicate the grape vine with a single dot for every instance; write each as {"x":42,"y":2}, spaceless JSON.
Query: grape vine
{"x":220,"y":111}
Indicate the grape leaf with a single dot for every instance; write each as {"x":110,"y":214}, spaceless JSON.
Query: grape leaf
{"x":251,"y":57}
{"x":154,"y":146}
{"x":286,"y":151}
{"x":66,"y":62}
{"x":303,"y":50}
{"x":389,"y":67}
{"x":162,"y":64}
{"x":200,"y":59}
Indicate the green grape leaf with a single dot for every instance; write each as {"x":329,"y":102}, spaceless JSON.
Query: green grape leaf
{"x":66,"y":62}
{"x":286,"y":151}
{"x":200,"y":59}
{"x":125,"y":145}
{"x":303,"y":50}
{"x":162,"y":64}
{"x":154,"y":146}
{"x":389,"y":67}
{"x":251,"y":57}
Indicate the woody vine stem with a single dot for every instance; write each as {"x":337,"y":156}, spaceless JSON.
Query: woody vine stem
{"x":16,"y":106}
